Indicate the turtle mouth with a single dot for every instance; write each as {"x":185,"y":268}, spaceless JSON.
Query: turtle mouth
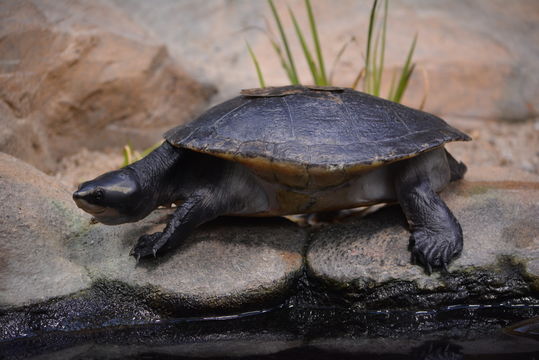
{"x":89,"y":207}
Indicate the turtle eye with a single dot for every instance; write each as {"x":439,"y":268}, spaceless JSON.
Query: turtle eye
{"x":99,"y":193}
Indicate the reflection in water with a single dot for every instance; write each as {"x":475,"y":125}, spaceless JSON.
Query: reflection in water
{"x":286,"y":333}
{"x":528,"y":328}
{"x":437,"y":350}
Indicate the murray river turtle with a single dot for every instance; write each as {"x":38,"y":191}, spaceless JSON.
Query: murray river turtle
{"x":290,"y":150}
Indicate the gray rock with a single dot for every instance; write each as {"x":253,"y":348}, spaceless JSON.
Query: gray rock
{"x":54,"y":249}
{"x":224,"y":265}
{"x":369,"y":261}
{"x":37,"y":220}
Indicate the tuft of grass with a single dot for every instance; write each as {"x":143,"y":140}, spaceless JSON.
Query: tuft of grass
{"x":375,"y":56}
{"x":315,"y":62}
{"x":406,"y":73}
{"x":130,"y":155}
{"x":314,"y":32}
{"x":305,"y":48}
{"x":290,"y":66}
{"x":372,"y":71}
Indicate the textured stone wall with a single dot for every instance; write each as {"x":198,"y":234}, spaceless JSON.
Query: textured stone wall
{"x":82,"y":74}
{"x":480,"y":56}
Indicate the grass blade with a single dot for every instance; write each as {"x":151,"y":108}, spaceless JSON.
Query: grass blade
{"x":284,"y":64}
{"x":373,"y":66}
{"x":338,"y":58}
{"x":128,"y":155}
{"x":392,"y":88}
{"x":306,"y":51}
{"x":380,"y":68}
{"x":150,"y":149}
{"x":368,"y":51}
{"x":257,"y":66}
{"x":358,"y":78}
{"x":291,"y":66}
{"x":318,"y":48}
{"x":406,"y":73}
{"x":405,"y":79}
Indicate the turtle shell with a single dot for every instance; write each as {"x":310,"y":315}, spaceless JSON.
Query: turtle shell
{"x":319,"y":136}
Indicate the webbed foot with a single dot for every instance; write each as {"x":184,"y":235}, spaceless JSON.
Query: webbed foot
{"x":436,"y":249}
{"x":148,"y":245}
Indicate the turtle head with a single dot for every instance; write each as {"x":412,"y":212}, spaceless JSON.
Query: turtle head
{"x":113,"y":198}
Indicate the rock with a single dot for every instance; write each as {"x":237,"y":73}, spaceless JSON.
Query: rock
{"x":368,"y":262}
{"x":509,"y":145}
{"x":84,"y":75}
{"x":37,"y":220}
{"x":62,"y":271}
{"x":224,"y":266}
{"x":85,"y":164}
{"x":477,"y":48}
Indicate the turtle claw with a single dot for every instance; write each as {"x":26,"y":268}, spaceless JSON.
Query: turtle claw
{"x":428,"y":269}
{"x":435,"y":249}
{"x":444,"y":268}
{"x":147,"y":245}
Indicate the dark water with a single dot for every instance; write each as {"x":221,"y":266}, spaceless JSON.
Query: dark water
{"x":458,"y":332}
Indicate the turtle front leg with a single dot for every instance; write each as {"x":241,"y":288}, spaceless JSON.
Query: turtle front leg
{"x":193,"y":212}
{"x":436,"y":234}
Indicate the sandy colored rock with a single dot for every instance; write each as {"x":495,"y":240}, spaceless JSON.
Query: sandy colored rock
{"x":85,"y":165}
{"x":497,"y":144}
{"x":500,"y":226}
{"x":78,"y":74}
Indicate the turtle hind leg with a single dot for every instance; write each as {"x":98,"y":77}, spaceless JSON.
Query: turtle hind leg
{"x":436,"y":234}
{"x":457,"y":168}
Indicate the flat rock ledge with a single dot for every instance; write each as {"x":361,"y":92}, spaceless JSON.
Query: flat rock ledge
{"x":367,"y":262}
{"x":61,"y":271}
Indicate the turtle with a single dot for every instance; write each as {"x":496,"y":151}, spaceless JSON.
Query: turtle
{"x":291,"y":150}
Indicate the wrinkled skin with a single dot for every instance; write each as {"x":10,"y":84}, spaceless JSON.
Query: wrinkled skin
{"x":436,"y":234}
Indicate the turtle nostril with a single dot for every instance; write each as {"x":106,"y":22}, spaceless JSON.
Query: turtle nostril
{"x":77,"y":195}
{"x":80,"y":194}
